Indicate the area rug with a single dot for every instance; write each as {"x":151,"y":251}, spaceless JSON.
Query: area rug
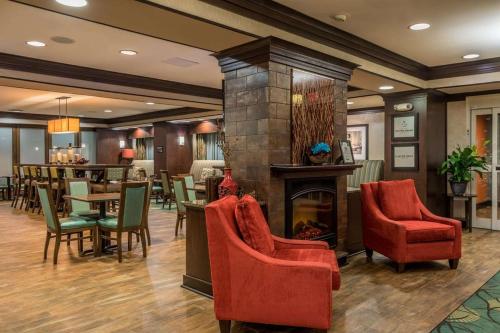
{"x":480,"y":313}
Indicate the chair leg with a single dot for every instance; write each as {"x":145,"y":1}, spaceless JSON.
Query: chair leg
{"x":130,"y":241}
{"x":68,"y":240}
{"x":95,"y":241}
{"x":177,"y":224}
{"x":18,"y":192}
{"x":35,"y":201}
{"x":401,"y":267}
{"x":163,"y":202}
{"x":119,"y":245}
{"x":46,"y":248}
{"x":225,"y":326}
{"x":143,"y":242}
{"x":80,"y":242}
{"x":148,"y":235}
{"x":170,"y":204}
{"x":453,"y":263}
{"x":56,"y":248}
{"x":369,"y":255}
{"x":99,"y":241}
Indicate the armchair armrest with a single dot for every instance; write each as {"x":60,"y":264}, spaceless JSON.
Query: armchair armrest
{"x":429,"y":216}
{"x":283,"y":243}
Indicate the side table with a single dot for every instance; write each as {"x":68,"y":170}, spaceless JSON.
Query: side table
{"x":467,"y":199}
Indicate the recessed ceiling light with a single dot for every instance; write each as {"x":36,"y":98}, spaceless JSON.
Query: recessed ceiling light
{"x":350,"y":103}
{"x":128,"y":52}
{"x":150,"y":103}
{"x":471,"y":56}
{"x":108,"y":111}
{"x":386,"y":87}
{"x":419,"y":26}
{"x":35,"y":43}
{"x":73,"y":3}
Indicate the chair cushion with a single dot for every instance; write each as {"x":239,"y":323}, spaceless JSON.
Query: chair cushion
{"x":76,"y":223}
{"x":93,"y":214}
{"x":425,"y":231}
{"x":253,"y":225}
{"x":313,"y":255}
{"x":398,"y":200}
{"x":108,"y":222}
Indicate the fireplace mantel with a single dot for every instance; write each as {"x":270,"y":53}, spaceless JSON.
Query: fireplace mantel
{"x":288,"y":171}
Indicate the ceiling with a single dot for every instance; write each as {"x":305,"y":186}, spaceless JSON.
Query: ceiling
{"x":458,"y":27}
{"x":44,"y":102}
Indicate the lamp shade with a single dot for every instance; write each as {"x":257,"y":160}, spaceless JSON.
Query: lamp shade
{"x":63,"y":125}
{"x":128,"y":153}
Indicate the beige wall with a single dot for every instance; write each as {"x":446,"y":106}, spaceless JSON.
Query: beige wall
{"x":457,"y":125}
{"x":375,"y":123}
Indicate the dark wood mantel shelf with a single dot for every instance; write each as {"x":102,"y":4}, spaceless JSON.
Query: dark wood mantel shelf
{"x":304,"y":171}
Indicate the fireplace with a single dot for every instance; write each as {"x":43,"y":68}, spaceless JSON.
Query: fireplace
{"x":311,"y":209}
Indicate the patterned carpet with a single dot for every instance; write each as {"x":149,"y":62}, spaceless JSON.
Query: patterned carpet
{"x":478,"y":314}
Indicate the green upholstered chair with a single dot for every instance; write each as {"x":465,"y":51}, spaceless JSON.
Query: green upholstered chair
{"x":79,"y":186}
{"x":131,"y":216}
{"x":168,"y":192}
{"x":146,"y":220}
{"x":112,"y":180}
{"x":181,"y":194}
{"x":56,"y":227}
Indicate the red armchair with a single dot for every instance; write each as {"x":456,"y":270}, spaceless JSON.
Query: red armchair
{"x":292,"y":287}
{"x":415,"y":234}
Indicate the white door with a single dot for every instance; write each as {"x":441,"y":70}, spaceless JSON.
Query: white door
{"x":485,"y":135}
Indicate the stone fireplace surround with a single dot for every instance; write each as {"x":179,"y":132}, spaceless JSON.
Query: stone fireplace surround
{"x":257,"y":117}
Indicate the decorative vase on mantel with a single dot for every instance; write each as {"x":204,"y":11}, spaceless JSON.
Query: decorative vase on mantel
{"x":228,"y":186}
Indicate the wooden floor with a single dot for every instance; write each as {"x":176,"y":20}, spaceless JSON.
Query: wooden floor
{"x":87,"y":294}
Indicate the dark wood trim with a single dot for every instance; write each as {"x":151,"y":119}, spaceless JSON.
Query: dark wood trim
{"x":375,"y":109}
{"x":36,"y":116}
{"x":153,"y":116}
{"x":482,"y":66}
{"x":16,"y":158}
{"x":282,"y":17}
{"x":463,"y":96}
{"x":280,"y":51}
{"x":48,"y":144}
{"x":32,"y":65}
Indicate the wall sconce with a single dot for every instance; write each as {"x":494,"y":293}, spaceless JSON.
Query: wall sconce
{"x":122,"y":144}
{"x":180,"y":140}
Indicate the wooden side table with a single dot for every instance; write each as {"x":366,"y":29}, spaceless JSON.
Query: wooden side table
{"x":467,"y":199}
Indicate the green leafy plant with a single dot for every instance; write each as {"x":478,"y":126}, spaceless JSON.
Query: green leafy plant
{"x":461,"y":163}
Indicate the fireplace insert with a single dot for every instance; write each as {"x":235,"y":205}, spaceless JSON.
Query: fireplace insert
{"x":310,"y":209}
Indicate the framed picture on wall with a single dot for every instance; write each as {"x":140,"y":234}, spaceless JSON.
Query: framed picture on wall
{"x":358,"y":135}
{"x":405,"y":127}
{"x":160,"y":149}
{"x":346,"y":151}
{"x":405,"y":157}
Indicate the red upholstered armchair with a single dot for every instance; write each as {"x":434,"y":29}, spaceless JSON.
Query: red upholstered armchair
{"x":292,"y":286}
{"x":397,"y":225}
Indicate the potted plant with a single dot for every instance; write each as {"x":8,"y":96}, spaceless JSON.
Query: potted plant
{"x":320,"y":153}
{"x":460,"y":165}
{"x":228,"y":186}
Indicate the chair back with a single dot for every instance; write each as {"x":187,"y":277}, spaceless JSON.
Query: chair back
{"x":26,"y":172}
{"x":133,"y":204}
{"x":165,"y":181}
{"x":114,"y":174}
{"x":78,"y":186}
{"x":33,"y":172}
{"x":15,"y":171}
{"x":4,"y":182}
{"x":44,"y":173}
{"x":181,"y":193}
{"x":69,"y":172}
{"x":49,"y":210}
{"x":191,"y":193}
{"x":370,"y":171}
{"x":53,"y":173}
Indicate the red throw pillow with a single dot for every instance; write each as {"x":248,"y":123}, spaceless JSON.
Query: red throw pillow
{"x":253,"y":225}
{"x":398,"y":200}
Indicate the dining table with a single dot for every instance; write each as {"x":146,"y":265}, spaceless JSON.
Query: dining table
{"x":100,"y":199}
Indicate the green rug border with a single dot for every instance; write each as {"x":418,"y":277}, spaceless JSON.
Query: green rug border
{"x":494,"y":274}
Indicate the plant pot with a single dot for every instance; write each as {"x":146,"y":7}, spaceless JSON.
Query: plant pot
{"x":458,"y":189}
{"x":228,"y":186}
{"x":319,"y":159}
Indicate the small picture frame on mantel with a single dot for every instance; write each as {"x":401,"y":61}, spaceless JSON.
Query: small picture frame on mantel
{"x":405,"y":157}
{"x":404,"y":127}
{"x":346,"y":152}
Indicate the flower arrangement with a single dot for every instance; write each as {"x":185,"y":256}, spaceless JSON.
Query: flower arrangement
{"x":320,"y":153}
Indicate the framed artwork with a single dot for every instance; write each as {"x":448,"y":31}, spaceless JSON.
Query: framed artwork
{"x":405,"y":157}
{"x":159,"y":149}
{"x":346,"y":151}
{"x":358,"y":135}
{"x":405,"y":127}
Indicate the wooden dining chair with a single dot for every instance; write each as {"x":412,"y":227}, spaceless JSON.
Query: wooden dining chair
{"x":181,"y":194}
{"x":26,"y":183}
{"x":76,"y":208}
{"x":57,"y":186}
{"x":168,"y":193}
{"x":131,"y":216}
{"x":146,"y":220}
{"x":69,"y":172}
{"x":34,"y":178}
{"x":56,"y":227}
{"x":44,"y":177}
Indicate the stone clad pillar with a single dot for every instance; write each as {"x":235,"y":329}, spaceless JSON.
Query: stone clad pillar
{"x":257,"y":111}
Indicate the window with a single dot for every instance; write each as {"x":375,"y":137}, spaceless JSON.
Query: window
{"x":5,"y":151}
{"x":89,"y":144}
{"x":32,"y":143}
{"x":63,"y":140}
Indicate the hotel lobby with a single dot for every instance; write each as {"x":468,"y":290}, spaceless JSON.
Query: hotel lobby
{"x":250,"y":166}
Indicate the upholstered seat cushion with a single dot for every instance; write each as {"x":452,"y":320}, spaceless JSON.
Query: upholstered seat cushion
{"x":76,"y":223}
{"x":112,"y":187}
{"x":253,"y":226}
{"x":86,"y":213}
{"x":425,"y":231}
{"x":314,"y":255}
{"x":108,"y":222}
{"x":399,"y":200}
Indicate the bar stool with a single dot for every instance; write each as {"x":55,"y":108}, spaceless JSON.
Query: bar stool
{"x":34,"y":178}
{"x":44,"y":178}
{"x":26,"y":183}
{"x":16,"y":181}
